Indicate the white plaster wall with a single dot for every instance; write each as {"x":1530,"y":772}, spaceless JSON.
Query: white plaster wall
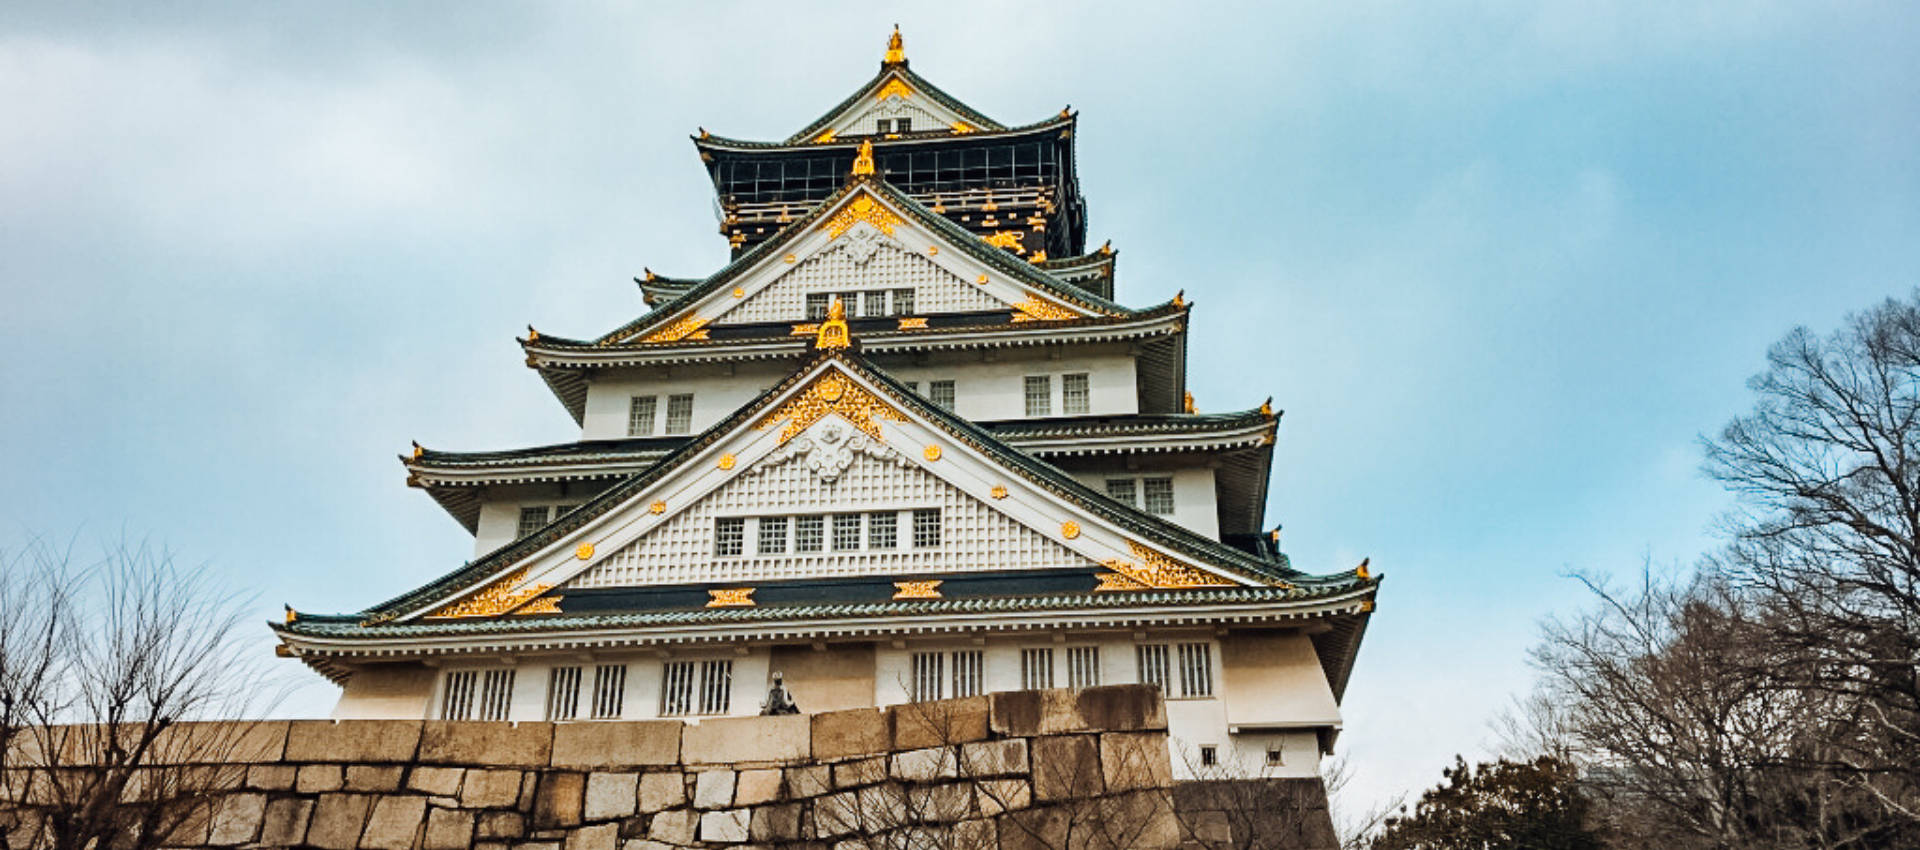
{"x":1195,"y":502}
{"x":1274,"y":677}
{"x":718,"y":391}
{"x":500,"y":511}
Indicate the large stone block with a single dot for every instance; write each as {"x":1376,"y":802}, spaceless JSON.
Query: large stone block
{"x":490,"y":789}
{"x":1110,"y":708}
{"x":926,"y":764}
{"x":395,"y":823}
{"x":500,"y":825}
{"x":319,"y":778}
{"x":728,"y":827}
{"x":776,"y":823}
{"x":1131,"y":761}
{"x":557,"y":801}
{"x":1066,"y":766}
{"x":376,"y":741}
{"x":673,"y":827}
{"x":943,"y":803}
{"x":713,"y":789}
{"x":994,"y":796}
{"x":602,"y":837}
{"x":448,"y":829}
{"x":945,"y":722}
{"x":501,"y":744}
{"x":611,"y":795}
{"x":854,"y":732}
{"x":337,"y":819}
{"x":371,"y":777}
{"x":809,"y":781}
{"x":1003,"y":757}
{"x":285,"y":822}
{"x":227,"y":741}
{"x":236,"y":818}
{"x":757,"y":786}
{"x":271,"y":777}
{"x":615,"y":746}
{"x":863,"y":772}
{"x":743,"y":740}
{"x":438,"y":781}
{"x":660,"y":791}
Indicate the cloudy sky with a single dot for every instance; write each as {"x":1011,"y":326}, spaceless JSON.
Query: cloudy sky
{"x":1500,"y":264}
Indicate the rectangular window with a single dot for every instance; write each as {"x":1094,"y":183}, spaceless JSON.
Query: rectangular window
{"x":640,"y":410}
{"x":1196,"y":670}
{"x":1209,"y":755}
{"x":531,"y":520}
{"x":1152,"y":658}
{"x":1156,"y":495}
{"x":929,"y":675}
{"x":903,"y":302}
{"x":1074,"y":394}
{"x":1039,"y":395}
{"x":563,"y":694}
{"x":609,"y":690}
{"x":968,"y":677}
{"x":873,"y":303}
{"x":496,"y":695}
{"x":456,"y":700}
{"x":1036,"y":668}
{"x":716,"y":686}
{"x":883,"y":530}
{"x":846,"y":532}
{"x":809,"y":533}
{"x":817,"y":306}
{"x":1083,"y":666}
{"x":729,"y":536}
{"x":941,"y":394}
{"x":679,"y":413}
{"x":773,"y":535}
{"x":902,"y":125}
{"x":676,"y":689}
{"x":1121,"y":490}
{"x":913,"y":386}
{"x":1276,"y":757}
{"x":926,"y":528}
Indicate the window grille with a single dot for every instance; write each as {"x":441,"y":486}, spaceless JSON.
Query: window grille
{"x":456,"y":700}
{"x":1036,"y":668}
{"x":532,"y":519}
{"x":913,"y":386}
{"x":968,"y":678}
{"x":846,"y":532}
{"x":1276,"y":755}
{"x":1039,"y":394}
{"x":809,"y":533}
{"x":1157,"y":495}
{"x":609,"y":689}
{"x":817,"y":303}
{"x":716,"y":686}
{"x":808,"y":287}
{"x":1196,"y":670}
{"x":1121,"y":490}
{"x":679,"y":413}
{"x":903,"y":302}
{"x":1209,"y":755}
{"x":1074,"y":394}
{"x":773,"y":535}
{"x":676,"y":689}
{"x":563,"y":694}
{"x":929,"y":674}
{"x":941,"y":394}
{"x":496,"y":694}
{"x":926,"y":528}
{"x":729,"y":536}
{"x":883,"y":530}
{"x":1083,"y":666}
{"x":873,"y":303}
{"x":1152,"y":658}
{"x":640,"y":410}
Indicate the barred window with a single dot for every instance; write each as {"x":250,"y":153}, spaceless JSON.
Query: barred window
{"x":1039,"y":395}
{"x":729,"y":536}
{"x":563,"y":693}
{"x":1152,"y":658}
{"x":968,"y":678}
{"x":926,"y":528}
{"x":716,"y":686}
{"x":929,"y":676}
{"x":903,"y":302}
{"x":690,"y":687}
{"x":640,"y":410}
{"x":676,"y":689}
{"x":1156,"y":495}
{"x":1036,"y":668}
{"x":1073,"y":393}
{"x":883,"y":530}
{"x":680,"y":413}
{"x":1121,"y":490}
{"x":773,"y":535}
{"x":941,"y":394}
{"x":873,"y":303}
{"x":1209,"y":755}
{"x":817,"y":306}
{"x":846,"y":532}
{"x":609,"y":690}
{"x":1196,"y":670}
{"x":809,"y":533}
{"x":1083,"y":666}
{"x":532,"y":519}
{"x":456,"y":696}
{"x":496,"y":695}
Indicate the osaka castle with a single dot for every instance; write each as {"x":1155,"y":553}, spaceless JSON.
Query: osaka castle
{"x":908,"y":444}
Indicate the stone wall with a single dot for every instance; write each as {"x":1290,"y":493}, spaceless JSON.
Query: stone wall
{"x":1085,"y":768}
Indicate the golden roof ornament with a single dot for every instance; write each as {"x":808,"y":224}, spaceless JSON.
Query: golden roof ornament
{"x":1361,"y":572}
{"x":863,"y":161}
{"x":1187,"y":403}
{"x":418,"y":450}
{"x":896,"y":51}
{"x":833,"y":331}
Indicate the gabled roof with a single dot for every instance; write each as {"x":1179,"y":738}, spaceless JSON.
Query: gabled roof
{"x":894,"y":67}
{"x":656,"y":288}
{"x":1050,"y":127}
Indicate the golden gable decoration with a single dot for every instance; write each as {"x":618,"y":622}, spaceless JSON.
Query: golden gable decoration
{"x":493,"y":600}
{"x":863,"y":208}
{"x":690,"y":327}
{"x":1159,"y":571}
{"x":1036,"y":310}
{"x":832,"y":393}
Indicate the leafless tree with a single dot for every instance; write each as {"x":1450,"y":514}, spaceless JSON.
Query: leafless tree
{"x":107,"y":667}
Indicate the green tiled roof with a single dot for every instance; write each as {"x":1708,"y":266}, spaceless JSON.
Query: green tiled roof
{"x":918,"y":83}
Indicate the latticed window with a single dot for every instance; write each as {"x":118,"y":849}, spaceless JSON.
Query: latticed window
{"x":969,"y":677}
{"x":926,"y":528}
{"x":1156,"y":495}
{"x":1152,"y":658}
{"x":1039,"y":395}
{"x":883,"y":530}
{"x":941,"y":394}
{"x":846,"y":532}
{"x":532,"y":519}
{"x":817,"y":306}
{"x":609,"y":690}
{"x":903,"y":302}
{"x":456,"y":697}
{"x":696,"y":687}
{"x":809,"y":533}
{"x":716,"y":686}
{"x":496,"y":695}
{"x":929,"y":675}
{"x":563,"y":693}
{"x":1073,"y":393}
{"x":679,"y":413}
{"x":1036,"y":668}
{"x":873,"y":303}
{"x":1121,"y":490}
{"x":729,"y":536}
{"x":640,"y":410}
{"x":1196,"y":670}
{"x":773,"y":535}
{"x":1083,"y":666}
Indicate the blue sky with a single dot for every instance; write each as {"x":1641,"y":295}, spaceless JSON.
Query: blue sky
{"x":1500,"y":263}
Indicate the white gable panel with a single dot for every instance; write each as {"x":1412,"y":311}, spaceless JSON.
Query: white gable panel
{"x":864,"y":122}
{"x":862,"y":260}
{"x":974,"y":536}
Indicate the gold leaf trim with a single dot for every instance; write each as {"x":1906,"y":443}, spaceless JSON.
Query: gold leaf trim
{"x":731,"y":597}
{"x":1036,"y":310}
{"x":1117,"y":581}
{"x":727,"y":461}
{"x":584,"y":552}
{"x":657,"y":508}
{"x":495,"y":599}
{"x":691,"y":326}
{"x":1161,"y":571}
{"x":1006,"y":239}
{"x":863,"y":208}
{"x":916,"y":589}
{"x":832,"y":393}
{"x":543,"y":605}
{"x":913,"y":323}
{"x":894,"y":88}
{"x":1070,"y":529}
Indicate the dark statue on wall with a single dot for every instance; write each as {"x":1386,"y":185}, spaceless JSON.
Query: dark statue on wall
{"x":779,"y":699}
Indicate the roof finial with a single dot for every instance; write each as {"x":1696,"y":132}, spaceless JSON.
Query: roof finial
{"x":833,"y":331}
{"x":863,"y":161}
{"x":896,"y":54}
{"x":418,"y":450}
